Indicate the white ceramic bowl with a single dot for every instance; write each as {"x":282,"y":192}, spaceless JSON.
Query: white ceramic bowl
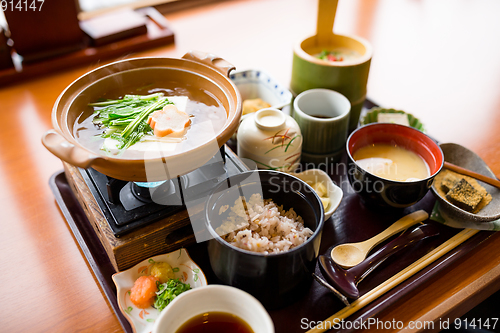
{"x":217,"y":298}
{"x":255,"y":83}
{"x":142,"y":320}
{"x":335,"y":193}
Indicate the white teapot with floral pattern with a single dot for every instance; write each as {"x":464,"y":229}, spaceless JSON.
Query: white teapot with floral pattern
{"x":271,"y":139}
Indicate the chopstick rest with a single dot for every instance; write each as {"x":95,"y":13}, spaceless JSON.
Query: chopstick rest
{"x":333,"y":290}
{"x":346,"y":281}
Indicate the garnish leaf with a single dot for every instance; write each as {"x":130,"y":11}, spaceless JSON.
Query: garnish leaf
{"x":125,"y":120}
{"x":168,"y":291}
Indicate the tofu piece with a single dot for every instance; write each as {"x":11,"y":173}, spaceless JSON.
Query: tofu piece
{"x":179,"y":101}
{"x":393,"y":118}
{"x":464,"y":195}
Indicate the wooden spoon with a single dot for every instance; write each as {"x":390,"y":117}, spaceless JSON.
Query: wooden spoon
{"x":326,"y":17}
{"x":350,"y":254}
{"x":483,"y":178}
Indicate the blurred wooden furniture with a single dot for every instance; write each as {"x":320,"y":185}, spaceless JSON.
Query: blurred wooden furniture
{"x":111,"y":27}
{"x":421,"y":64}
{"x":5,"y":51}
{"x":44,"y":29}
{"x":145,"y":28}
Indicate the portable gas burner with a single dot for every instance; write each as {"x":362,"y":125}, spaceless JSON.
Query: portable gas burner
{"x":134,"y":220}
{"x":131,"y":205}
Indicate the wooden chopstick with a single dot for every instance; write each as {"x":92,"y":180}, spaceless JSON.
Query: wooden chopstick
{"x":392,"y":282}
{"x":463,"y":171}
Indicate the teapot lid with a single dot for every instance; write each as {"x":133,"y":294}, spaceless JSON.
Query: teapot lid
{"x":270,"y":119}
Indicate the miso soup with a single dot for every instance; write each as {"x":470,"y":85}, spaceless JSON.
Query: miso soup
{"x":392,"y":162}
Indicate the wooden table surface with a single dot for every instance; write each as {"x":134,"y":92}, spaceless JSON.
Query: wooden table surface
{"x":439,"y":60}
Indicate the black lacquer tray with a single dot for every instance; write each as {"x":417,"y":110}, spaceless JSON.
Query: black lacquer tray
{"x":351,"y":222}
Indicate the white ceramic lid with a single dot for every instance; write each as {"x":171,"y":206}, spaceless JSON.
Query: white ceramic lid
{"x":269,"y":132}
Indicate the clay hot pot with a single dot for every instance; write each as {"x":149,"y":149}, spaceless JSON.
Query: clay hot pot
{"x":200,"y":70}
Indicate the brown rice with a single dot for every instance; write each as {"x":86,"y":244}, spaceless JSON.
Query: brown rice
{"x":262,"y":226}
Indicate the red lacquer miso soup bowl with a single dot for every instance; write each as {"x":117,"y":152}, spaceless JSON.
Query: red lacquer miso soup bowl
{"x":376,"y":190}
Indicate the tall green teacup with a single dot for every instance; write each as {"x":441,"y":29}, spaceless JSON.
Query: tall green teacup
{"x":349,"y":76}
{"x":323,"y":117}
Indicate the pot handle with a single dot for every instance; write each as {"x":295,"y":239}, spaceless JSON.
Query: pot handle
{"x":66,"y":151}
{"x":211,"y":60}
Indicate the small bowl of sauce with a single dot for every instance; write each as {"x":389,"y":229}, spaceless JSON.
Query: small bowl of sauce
{"x":214,"y":308}
{"x":215,"y":322}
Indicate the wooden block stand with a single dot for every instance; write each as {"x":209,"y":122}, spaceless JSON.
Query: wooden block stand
{"x":162,"y":236}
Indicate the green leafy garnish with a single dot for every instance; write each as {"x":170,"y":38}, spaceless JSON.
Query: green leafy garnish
{"x":125,"y":120}
{"x":168,"y":291}
{"x":323,"y":55}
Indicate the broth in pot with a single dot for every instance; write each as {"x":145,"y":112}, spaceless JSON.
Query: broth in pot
{"x":206,"y":113}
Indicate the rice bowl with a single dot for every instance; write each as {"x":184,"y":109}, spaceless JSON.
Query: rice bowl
{"x":274,"y":278}
{"x":262,"y":226}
